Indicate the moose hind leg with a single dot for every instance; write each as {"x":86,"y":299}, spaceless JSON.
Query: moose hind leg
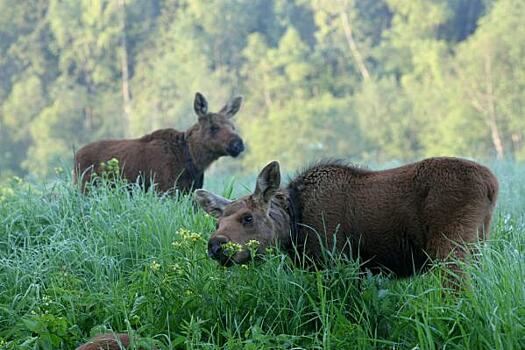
{"x":449,"y":245}
{"x":444,"y":249}
{"x":484,"y":230}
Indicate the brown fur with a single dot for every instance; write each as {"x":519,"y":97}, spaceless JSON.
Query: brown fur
{"x":107,"y":342}
{"x":162,"y":156}
{"x":110,"y":341}
{"x":394,"y":219}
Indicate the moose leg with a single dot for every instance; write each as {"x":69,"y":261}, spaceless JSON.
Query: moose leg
{"x":451,"y":245}
{"x":441,"y":247}
{"x":484,"y":231}
{"x":453,"y":226}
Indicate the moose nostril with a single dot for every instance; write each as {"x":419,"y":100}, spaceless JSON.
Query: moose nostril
{"x":215,"y":246}
{"x":237,"y":145}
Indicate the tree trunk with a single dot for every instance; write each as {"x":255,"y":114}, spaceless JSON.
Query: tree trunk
{"x":126,"y":94}
{"x":517,"y":143}
{"x":491,"y":109}
{"x":358,"y":58}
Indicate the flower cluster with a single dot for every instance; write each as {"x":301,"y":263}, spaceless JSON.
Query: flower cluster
{"x":5,"y":193}
{"x":17,"y":180}
{"x":111,"y":166}
{"x":252,"y":244}
{"x":186,"y":236}
{"x":270,"y":251}
{"x":155,"y":266}
{"x":177,"y":269}
{"x":231,"y":248}
{"x":109,"y":169}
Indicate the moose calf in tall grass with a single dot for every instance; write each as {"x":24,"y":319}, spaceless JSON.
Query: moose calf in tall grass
{"x":109,"y":341}
{"x":395,"y":219}
{"x":167,"y":156}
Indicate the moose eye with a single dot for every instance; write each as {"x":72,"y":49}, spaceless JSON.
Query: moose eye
{"x":214,"y":129}
{"x":247,"y":219}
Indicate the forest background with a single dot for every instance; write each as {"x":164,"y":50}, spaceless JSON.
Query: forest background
{"x":366,"y":80}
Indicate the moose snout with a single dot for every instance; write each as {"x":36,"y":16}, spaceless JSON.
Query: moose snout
{"x":215,"y":249}
{"x":235,"y":147}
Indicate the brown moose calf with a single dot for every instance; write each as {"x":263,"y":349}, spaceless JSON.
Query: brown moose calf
{"x":167,"y":156}
{"x":112,"y":341}
{"x":107,"y":341}
{"x":394,"y":219}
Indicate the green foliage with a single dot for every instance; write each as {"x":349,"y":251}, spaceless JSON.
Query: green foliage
{"x":73,"y":266}
{"x":292,"y":128}
{"x":368,"y":80}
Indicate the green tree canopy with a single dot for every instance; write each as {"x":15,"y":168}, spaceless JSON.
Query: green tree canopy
{"x":367,"y":80}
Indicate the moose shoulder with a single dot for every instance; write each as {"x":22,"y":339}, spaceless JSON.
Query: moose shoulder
{"x":395,"y":219}
{"x":168,"y":156}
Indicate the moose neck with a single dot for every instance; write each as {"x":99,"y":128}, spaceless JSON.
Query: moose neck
{"x":201,"y":157}
{"x":285,"y":215}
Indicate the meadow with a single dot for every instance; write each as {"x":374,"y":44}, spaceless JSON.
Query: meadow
{"x":72,"y":266}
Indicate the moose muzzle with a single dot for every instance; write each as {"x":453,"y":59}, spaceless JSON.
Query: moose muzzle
{"x":235,"y":147}
{"x":216,"y":250}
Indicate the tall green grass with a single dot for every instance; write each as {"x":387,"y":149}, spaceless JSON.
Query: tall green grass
{"x":72,"y":266}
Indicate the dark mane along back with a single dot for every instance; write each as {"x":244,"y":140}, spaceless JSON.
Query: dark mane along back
{"x":295,"y":184}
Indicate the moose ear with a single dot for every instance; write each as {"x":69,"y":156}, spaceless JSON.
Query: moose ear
{"x":232,"y":107}
{"x":268,"y":181}
{"x":211,"y":203}
{"x":200,"y":105}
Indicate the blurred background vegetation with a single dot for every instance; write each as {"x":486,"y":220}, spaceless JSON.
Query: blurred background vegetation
{"x":367,"y":80}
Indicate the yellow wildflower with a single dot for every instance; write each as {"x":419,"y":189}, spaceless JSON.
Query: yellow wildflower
{"x":189,"y":236}
{"x":155,"y":266}
{"x":177,"y":268}
{"x":18,"y":180}
{"x":231,"y":248}
{"x":270,"y":250}
{"x":253,"y":244}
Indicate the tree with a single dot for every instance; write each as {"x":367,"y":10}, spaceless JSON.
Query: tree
{"x":369,"y":80}
{"x":490,"y":68}
{"x":26,"y":64}
{"x":168,"y":73}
